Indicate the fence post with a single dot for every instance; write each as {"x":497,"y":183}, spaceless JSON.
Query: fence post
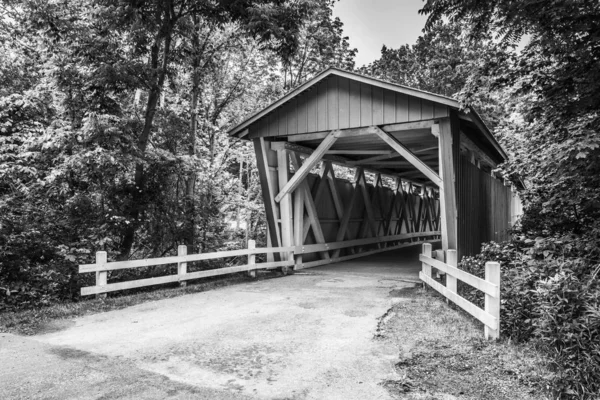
{"x":182,"y":266}
{"x":426,"y":268}
{"x":101,"y":276}
{"x":451,"y":260}
{"x":492,"y":304}
{"x":251,"y":258}
{"x":440,"y":255}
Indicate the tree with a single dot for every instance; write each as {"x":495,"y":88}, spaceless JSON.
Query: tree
{"x":321,"y":44}
{"x":444,"y":61}
{"x":554,"y":136}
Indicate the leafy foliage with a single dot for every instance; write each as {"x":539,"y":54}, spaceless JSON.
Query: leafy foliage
{"x":113,"y":120}
{"x":550,"y":296}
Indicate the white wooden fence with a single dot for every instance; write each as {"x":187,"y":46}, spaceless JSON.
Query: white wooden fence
{"x":101,"y":267}
{"x":292,"y":256}
{"x":447,"y":263}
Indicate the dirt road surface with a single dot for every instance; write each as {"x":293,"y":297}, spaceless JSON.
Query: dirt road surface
{"x":310,"y":335}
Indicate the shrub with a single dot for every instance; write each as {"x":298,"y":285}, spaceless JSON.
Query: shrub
{"x":550,"y":295}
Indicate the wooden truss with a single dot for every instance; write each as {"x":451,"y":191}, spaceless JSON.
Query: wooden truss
{"x":328,"y":219}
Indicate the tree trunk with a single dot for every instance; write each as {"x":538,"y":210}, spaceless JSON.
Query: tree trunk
{"x":191,"y":179}
{"x":137,"y":192}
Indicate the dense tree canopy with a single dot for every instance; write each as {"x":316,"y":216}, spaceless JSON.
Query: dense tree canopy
{"x":112,"y":126}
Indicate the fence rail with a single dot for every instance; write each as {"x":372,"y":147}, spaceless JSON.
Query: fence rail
{"x":101,"y":267}
{"x":447,"y":263}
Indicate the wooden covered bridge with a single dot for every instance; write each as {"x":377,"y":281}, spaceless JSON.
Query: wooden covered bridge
{"x":351,"y":165}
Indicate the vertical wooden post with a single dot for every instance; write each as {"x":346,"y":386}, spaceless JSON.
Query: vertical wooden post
{"x":101,"y":276}
{"x":451,"y":259}
{"x":268,"y":192}
{"x":447,"y":188}
{"x":492,"y":304}
{"x":182,"y":266}
{"x":441,"y":256}
{"x":298,"y":225}
{"x":285,"y":205}
{"x":251,"y":258}
{"x":426,"y":268}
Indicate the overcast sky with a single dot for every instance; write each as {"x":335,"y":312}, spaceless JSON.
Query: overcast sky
{"x":372,"y":23}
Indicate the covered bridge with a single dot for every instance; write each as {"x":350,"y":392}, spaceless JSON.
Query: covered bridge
{"x":351,"y":165}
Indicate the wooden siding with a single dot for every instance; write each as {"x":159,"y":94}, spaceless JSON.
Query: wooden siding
{"x":340,"y":103}
{"x":484,"y":208}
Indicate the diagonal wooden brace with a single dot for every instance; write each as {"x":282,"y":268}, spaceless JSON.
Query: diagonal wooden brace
{"x":409,"y":156}
{"x":310,"y":162}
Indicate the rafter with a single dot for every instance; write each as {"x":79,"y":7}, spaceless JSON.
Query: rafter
{"x":409,"y":156}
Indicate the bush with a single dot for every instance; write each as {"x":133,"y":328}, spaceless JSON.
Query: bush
{"x":550,"y":295}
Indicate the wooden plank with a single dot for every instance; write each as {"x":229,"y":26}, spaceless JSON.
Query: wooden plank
{"x":409,"y":156}
{"x":471,"y":280}
{"x":355,"y":78}
{"x":492,"y":303}
{"x":447,"y":186}
{"x":401,"y":107}
{"x":377,"y":105}
{"x":292,"y":116}
{"x":414,"y":108}
{"x":101,"y":272}
{"x":311,"y":111}
{"x":285,"y":201}
{"x":426,"y":109}
{"x":268,"y":191}
{"x":354,"y":103}
{"x":312,"y":264}
{"x":451,"y":280}
{"x":310,"y":162}
{"x":483,"y":316}
{"x":389,"y":107}
{"x":302,"y":114}
{"x":298,"y":222}
{"x":360,"y":152}
{"x":350,"y":132}
{"x":282,"y":120}
{"x":332,"y":103}
{"x":344,"y":103}
{"x":426,"y":251}
{"x":313,"y":248}
{"x":149,"y":262}
{"x":322,"y":106}
{"x":112,"y":287}
{"x":366,"y":111}
{"x":385,"y":156}
{"x":273,"y":123}
{"x":408,"y":126}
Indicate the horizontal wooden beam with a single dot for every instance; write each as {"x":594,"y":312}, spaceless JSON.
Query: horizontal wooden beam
{"x":409,"y":156}
{"x":351,"y":132}
{"x":395,"y":164}
{"x":359,"y":152}
{"x":409,"y":126}
{"x":317,"y":263}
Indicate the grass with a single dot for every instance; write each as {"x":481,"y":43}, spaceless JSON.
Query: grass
{"x":56,"y":316}
{"x":443,"y":355}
